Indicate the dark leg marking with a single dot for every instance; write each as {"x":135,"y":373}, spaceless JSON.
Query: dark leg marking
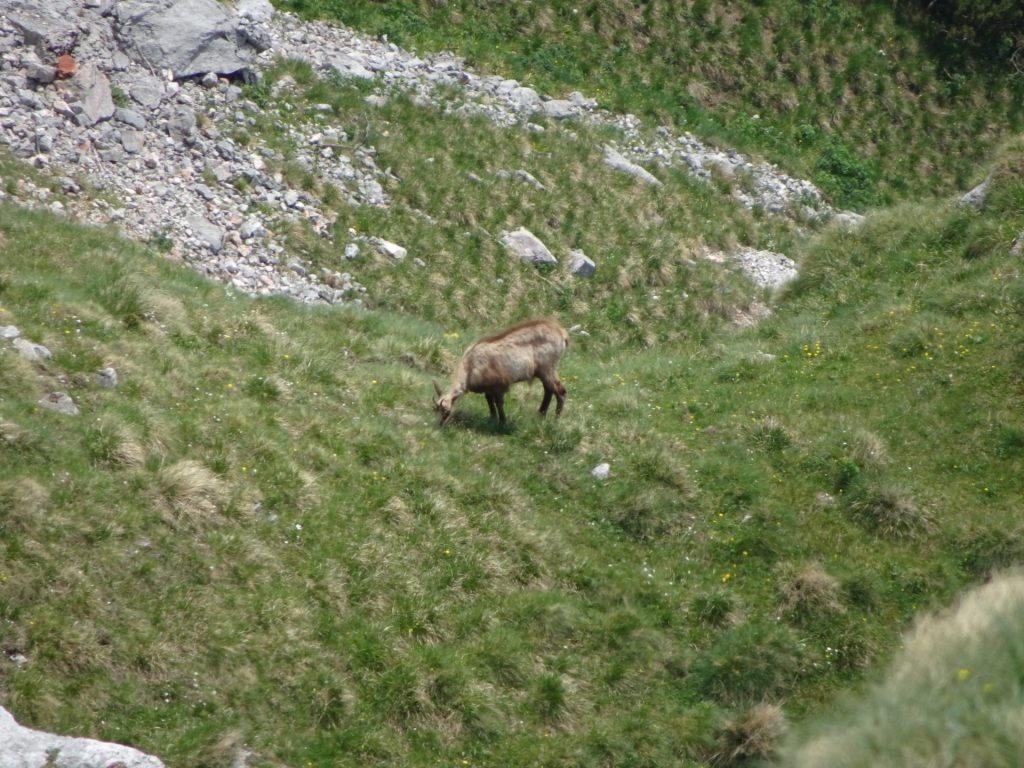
{"x":560,"y":394}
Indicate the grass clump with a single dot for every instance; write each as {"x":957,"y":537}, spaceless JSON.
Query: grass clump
{"x":891,"y":511}
{"x":811,"y":593}
{"x":947,"y":697}
{"x":751,"y":662}
{"x":770,"y":434}
{"x":751,"y":738}
{"x":991,"y":546}
{"x":715,"y":609}
{"x":193,"y":493}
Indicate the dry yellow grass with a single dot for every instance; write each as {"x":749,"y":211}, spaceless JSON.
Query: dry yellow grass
{"x":953,"y":696}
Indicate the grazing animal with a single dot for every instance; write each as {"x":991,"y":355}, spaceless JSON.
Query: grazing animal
{"x":530,"y":350}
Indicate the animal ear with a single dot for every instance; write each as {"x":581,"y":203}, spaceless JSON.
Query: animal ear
{"x":438,"y":390}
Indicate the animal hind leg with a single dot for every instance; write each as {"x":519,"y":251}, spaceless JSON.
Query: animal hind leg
{"x":490,"y":404}
{"x":548,"y":392}
{"x":560,"y":393}
{"x":499,"y":400}
{"x":552,"y":387}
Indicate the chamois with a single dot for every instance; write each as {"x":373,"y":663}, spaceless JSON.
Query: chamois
{"x":491,"y":365}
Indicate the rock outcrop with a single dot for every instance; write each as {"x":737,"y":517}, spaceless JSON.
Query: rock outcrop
{"x":187,"y":37}
{"x":22,"y":747}
{"x":527,"y":246}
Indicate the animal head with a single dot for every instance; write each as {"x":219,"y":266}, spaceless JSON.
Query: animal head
{"x":443,"y":406}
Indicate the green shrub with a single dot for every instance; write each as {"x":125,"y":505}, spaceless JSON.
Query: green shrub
{"x":848,"y":179}
{"x":753,"y":662}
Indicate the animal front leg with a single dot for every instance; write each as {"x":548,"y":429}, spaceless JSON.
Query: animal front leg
{"x":500,"y":401}
{"x":490,"y":404}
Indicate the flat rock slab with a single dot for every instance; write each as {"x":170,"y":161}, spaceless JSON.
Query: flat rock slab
{"x":22,"y":747}
{"x":89,"y":95}
{"x":766,"y":269}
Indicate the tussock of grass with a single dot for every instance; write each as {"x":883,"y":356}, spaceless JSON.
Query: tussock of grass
{"x":891,"y":511}
{"x":109,"y":446}
{"x":755,"y":735}
{"x":192,"y":492}
{"x":868,"y":449}
{"x":24,"y":502}
{"x":716,"y":609}
{"x":750,"y":662}
{"x":811,"y":593}
{"x":951,"y":695}
{"x":991,"y":546}
{"x":770,"y":434}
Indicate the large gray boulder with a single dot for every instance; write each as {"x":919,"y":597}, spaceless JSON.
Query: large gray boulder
{"x":527,"y":246}
{"x":49,"y":26}
{"x":89,"y":95}
{"x":188,"y":37}
{"x":22,"y":747}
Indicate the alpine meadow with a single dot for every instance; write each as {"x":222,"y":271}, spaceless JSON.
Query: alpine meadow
{"x":777,"y":523}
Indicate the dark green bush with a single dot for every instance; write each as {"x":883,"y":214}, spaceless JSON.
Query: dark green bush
{"x":753,"y":662}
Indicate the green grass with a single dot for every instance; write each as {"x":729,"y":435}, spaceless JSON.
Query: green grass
{"x":855,"y":97}
{"x":452,"y":204}
{"x":945,"y":698}
{"x":259,"y":537}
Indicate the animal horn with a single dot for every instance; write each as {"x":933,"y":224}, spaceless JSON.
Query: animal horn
{"x":438,"y":390}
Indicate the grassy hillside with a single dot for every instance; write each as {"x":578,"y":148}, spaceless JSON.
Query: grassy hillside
{"x":450,"y":204}
{"x":259,"y":537}
{"x":848,"y":94}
